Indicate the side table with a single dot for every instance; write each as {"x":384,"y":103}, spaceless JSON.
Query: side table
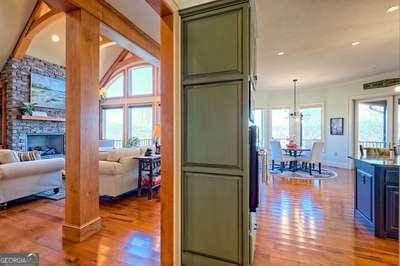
{"x":151,"y":165}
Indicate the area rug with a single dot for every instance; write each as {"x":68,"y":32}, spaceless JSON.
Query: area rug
{"x":325,"y":174}
{"x":50,"y":194}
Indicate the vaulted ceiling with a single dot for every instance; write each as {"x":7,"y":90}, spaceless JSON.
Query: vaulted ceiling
{"x":13,"y":16}
{"x":12,"y":24}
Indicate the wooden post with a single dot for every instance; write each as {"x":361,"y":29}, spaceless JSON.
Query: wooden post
{"x":82,"y":127}
{"x":167,"y":138}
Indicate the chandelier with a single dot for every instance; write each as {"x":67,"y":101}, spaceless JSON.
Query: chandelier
{"x":297,"y":116}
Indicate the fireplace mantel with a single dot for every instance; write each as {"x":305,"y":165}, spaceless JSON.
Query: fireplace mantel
{"x":41,"y":118}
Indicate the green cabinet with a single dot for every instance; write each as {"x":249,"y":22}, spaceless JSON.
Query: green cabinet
{"x":216,"y":56}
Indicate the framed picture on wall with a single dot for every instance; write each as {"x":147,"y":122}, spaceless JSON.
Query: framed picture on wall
{"x":336,"y":126}
{"x":47,"y":91}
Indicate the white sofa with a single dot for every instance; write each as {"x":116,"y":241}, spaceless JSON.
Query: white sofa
{"x":119,"y":171}
{"x":21,"y":179}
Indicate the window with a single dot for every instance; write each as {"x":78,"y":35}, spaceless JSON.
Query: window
{"x":372,"y":123}
{"x":258,"y":121}
{"x":113,"y":126}
{"x":133,"y":116}
{"x":141,"y":122}
{"x":311,"y":126}
{"x":280,"y":124}
{"x":115,"y":88}
{"x":141,"y":80}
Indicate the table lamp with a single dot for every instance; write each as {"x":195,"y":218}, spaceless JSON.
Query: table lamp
{"x":157,"y":136}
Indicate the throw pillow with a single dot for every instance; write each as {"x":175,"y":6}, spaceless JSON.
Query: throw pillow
{"x":8,"y":156}
{"x":29,"y":156}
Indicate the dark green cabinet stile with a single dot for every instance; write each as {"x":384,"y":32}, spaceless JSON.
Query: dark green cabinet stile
{"x":215,"y":110}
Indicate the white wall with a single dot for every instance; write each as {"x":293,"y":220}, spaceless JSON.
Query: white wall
{"x":336,"y":98}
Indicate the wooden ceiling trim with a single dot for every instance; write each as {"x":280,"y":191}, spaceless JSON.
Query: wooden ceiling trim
{"x":111,"y":17}
{"x":110,"y":71}
{"x":40,"y":17}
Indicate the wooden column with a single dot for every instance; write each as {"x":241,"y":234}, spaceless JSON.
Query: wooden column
{"x":167,"y":138}
{"x":82,"y":127}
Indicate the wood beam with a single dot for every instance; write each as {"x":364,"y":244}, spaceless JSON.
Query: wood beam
{"x":167,"y":137}
{"x":82,"y":126}
{"x":160,"y":7}
{"x":40,"y":17}
{"x":107,"y":14}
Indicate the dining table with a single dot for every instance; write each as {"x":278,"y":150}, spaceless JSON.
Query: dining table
{"x":295,"y":152}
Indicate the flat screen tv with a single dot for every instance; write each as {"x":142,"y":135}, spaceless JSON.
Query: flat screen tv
{"x":47,"y":92}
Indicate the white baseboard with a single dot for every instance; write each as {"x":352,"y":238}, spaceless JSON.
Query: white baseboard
{"x":343,"y":165}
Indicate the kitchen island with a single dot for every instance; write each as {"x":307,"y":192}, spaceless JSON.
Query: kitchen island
{"x":376,"y":194}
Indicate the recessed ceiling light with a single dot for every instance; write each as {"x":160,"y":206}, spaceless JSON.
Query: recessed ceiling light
{"x":392,"y":9}
{"x":55,"y":38}
{"x":355,"y":43}
{"x":397,"y":88}
{"x":281,"y":53}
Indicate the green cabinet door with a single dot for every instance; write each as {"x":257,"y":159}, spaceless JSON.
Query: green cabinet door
{"x":215,"y":108}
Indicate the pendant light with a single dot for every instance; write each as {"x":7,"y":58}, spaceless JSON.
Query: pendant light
{"x":297,"y":116}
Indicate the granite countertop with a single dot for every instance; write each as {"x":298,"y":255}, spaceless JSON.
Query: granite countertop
{"x":378,"y":160}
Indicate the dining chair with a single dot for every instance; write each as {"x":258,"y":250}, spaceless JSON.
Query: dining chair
{"x":277,"y":155}
{"x":308,"y":162}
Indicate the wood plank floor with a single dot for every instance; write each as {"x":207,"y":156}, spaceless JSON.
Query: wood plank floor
{"x":312,"y":223}
{"x":130,"y":234}
{"x":299,"y":223}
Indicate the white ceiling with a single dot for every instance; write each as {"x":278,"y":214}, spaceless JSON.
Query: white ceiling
{"x":12,"y":23}
{"x":141,"y":14}
{"x":42,"y":47}
{"x":316,"y":37}
{"x":13,"y":17}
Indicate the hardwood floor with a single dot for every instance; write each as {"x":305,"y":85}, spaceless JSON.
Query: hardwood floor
{"x":130,"y":233}
{"x":311,"y":223}
{"x":299,"y":223}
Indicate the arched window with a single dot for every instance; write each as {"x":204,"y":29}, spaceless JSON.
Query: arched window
{"x":115,"y":88}
{"x":131,"y":105}
{"x":141,"y":80}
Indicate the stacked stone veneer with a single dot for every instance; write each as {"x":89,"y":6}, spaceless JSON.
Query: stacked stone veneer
{"x":17,"y":76}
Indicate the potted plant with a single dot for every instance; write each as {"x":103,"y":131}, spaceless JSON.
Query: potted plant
{"x":133,"y":142}
{"x":28,"y":108}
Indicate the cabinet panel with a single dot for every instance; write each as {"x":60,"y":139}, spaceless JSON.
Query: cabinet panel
{"x":213,"y":43}
{"x":392,"y":211}
{"x":212,"y":216}
{"x":213,"y":125}
{"x":364,"y":197}
{"x":215,"y":110}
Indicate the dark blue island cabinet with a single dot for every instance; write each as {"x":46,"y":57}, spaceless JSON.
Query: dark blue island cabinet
{"x":376,"y":194}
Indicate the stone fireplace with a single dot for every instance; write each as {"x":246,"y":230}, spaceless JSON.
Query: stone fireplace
{"x":16,"y":74}
{"x":49,"y":145}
